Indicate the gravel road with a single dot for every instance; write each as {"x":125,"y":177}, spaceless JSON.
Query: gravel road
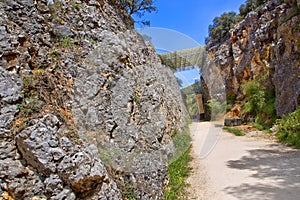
{"x":228,"y":167}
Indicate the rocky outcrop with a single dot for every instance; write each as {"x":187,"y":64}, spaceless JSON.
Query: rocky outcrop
{"x":87,"y":109}
{"x":266,"y":43}
{"x":68,"y":169}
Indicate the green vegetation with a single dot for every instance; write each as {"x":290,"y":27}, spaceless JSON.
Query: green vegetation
{"x":128,"y":191}
{"x":181,"y":141}
{"x":294,"y":11}
{"x":289,"y":129}
{"x":255,"y":95}
{"x":219,"y":30}
{"x":59,"y":20}
{"x":260,"y":102}
{"x":192,"y":105}
{"x":217,"y":108}
{"x":123,"y":182}
{"x":258,"y":126}
{"x":231,"y":99}
{"x":249,"y":6}
{"x":76,"y":5}
{"x":136,"y":98}
{"x":31,"y":102}
{"x":178,"y":169}
{"x":66,"y":42}
{"x":31,"y":105}
{"x":235,"y":131}
{"x":139,"y":8}
{"x":167,"y":62}
{"x":178,"y":172}
{"x":54,"y":52}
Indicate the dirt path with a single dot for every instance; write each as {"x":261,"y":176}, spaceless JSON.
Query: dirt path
{"x":227,"y":167}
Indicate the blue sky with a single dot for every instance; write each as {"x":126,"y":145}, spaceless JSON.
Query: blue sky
{"x":190,"y":17}
{"x":180,"y":24}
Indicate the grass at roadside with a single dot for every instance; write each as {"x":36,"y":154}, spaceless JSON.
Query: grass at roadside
{"x":178,"y":169}
{"x":235,"y":131}
{"x":178,"y":172}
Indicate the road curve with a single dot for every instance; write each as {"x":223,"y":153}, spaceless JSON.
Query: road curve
{"x":227,"y":167}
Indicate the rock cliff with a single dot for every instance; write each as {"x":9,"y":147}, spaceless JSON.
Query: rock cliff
{"x":87,"y":109}
{"x":265,"y":43}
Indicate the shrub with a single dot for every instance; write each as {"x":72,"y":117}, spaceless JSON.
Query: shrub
{"x":259,"y":102}
{"x":231,"y":99}
{"x":289,"y":129}
{"x":216,"y":107}
{"x":250,"y":5}
{"x":255,"y":97}
{"x":219,"y":30}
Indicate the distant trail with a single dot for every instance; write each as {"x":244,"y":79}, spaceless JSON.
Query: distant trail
{"x":244,"y":167}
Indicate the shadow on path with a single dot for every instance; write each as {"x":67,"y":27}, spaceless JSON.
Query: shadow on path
{"x":276,"y":169}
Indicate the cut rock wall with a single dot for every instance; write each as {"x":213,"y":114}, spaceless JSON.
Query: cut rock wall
{"x":86,"y":106}
{"x":266,"y":43}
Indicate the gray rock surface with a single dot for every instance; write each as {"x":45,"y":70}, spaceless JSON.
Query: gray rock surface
{"x":86,"y":106}
{"x":122,"y":99}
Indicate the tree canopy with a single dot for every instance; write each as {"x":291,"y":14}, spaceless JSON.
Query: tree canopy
{"x":219,"y":29}
{"x":139,"y":8}
{"x":250,"y":5}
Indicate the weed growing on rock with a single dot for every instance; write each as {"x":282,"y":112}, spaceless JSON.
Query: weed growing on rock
{"x":66,"y":42}
{"x":43,"y":92}
{"x":128,"y":191}
{"x":53,"y":52}
{"x":76,"y":5}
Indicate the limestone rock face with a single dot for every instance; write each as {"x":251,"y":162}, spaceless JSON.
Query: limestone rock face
{"x":86,"y":106}
{"x":267,"y":43}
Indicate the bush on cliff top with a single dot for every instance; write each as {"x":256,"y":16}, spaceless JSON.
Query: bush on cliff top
{"x":138,"y":8}
{"x":219,"y":30}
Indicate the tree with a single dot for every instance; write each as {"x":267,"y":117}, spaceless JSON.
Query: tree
{"x":219,"y":30}
{"x":139,"y":8}
{"x":250,"y":6}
